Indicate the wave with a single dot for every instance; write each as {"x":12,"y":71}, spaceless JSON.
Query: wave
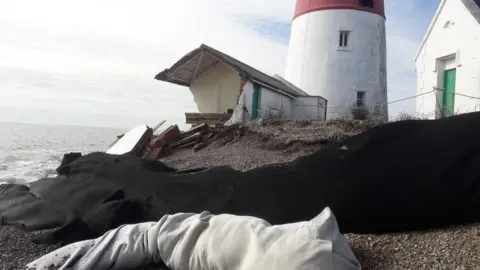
{"x":13,"y":180}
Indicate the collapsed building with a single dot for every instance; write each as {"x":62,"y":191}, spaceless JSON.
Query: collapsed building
{"x":226,"y":89}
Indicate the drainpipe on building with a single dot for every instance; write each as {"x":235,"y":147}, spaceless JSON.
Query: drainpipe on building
{"x":326,"y":108}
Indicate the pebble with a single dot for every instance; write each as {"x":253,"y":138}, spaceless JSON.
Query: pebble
{"x":267,"y":142}
{"x":450,"y":248}
{"x":17,"y":249}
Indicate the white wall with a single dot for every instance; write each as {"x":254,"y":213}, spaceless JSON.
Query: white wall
{"x":455,"y":46}
{"x":309,"y":108}
{"x":248,"y":97}
{"x":216,"y":90}
{"x":271,"y":103}
{"x":316,"y":65}
{"x":274,"y":104}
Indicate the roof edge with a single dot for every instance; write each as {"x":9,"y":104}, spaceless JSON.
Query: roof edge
{"x":430,"y":28}
{"x":299,"y":91}
{"x":161,"y":75}
{"x":338,"y":7}
{"x":473,"y":6}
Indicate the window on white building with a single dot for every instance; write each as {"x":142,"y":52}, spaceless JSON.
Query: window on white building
{"x":367,"y":3}
{"x":448,"y":24}
{"x":343,"y":39}
{"x":360,"y":98}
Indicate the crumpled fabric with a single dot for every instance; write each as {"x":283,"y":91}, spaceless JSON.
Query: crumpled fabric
{"x":188,"y":241}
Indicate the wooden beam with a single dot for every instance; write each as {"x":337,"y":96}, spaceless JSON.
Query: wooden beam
{"x":206,"y":67}
{"x":198,"y":65}
{"x":186,"y":62}
{"x":193,"y":138}
{"x":159,"y":125}
{"x":202,"y":128}
{"x":172,"y":79}
{"x":208,"y":118}
{"x":201,"y":53}
{"x":220,"y":115}
{"x":190,"y":144}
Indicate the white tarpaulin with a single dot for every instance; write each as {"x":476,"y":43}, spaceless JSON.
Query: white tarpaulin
{"x":129,"y":141}
{"x":206,"y":241}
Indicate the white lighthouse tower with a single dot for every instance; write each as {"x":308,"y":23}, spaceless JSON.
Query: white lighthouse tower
{"x":338,"y":51}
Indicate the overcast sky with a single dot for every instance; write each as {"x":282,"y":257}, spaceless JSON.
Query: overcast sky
{"x":92,"y":62}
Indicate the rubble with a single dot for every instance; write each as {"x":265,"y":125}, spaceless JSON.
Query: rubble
{"x":209,"y":118}
{"x":278,"y":134}
{"x":190,"y":140}
{"x":157,"y":145}
{"x":141,"y":142}
{"x":133,"y":142}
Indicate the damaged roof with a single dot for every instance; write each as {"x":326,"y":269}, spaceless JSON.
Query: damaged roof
{"x":185,"y":70}
{"x":474,"y":7}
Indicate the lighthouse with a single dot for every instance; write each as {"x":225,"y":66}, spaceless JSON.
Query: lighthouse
{"x":337,"y":50}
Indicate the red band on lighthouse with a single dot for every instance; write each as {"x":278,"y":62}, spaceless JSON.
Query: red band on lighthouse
{"x":306,"y":6}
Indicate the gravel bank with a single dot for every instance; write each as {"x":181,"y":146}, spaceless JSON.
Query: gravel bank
{"x":246,"y":154}
{"x":275,"y":142}
{"x":267,"y":143}
{"x":456,"y":248}
{"x":16,"y":249}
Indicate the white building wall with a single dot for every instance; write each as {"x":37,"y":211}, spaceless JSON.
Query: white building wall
{"x":216,"y":90}
{"x":318,"y":66}
{"x":453,"y":42}
{"x":248,"y":97}
{"x":309,"y":108}
{"x":272,"y":103}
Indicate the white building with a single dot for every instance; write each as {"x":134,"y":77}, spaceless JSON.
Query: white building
{"x":221,"y":84}
{"x":338,"y":51}
{"x":448,"y":61}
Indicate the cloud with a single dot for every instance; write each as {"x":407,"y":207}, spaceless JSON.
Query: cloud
{"x":89,"y":58}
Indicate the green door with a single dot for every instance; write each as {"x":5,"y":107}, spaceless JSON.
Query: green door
{"x":449,"y":92}
{"x":257,"y":91}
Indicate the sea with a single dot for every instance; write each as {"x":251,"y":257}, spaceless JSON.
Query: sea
{"x":29,"y":152}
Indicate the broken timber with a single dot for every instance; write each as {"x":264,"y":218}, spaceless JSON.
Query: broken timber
{"x":159,"y":125}
{"x":202,"y":128}
{"x":192,"y":138}
{"x":153,"y":147}
{"x":156,"y":148}
{"x":207,"y":118}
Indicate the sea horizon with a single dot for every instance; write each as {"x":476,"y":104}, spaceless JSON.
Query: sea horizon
{"x":31,"y":151}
